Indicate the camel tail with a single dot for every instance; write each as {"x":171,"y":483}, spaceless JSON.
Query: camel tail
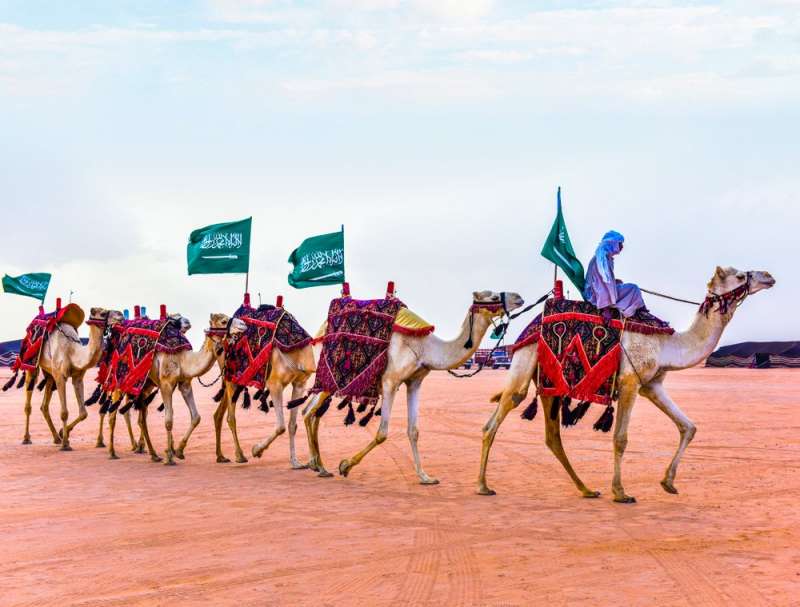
{"x":496,"y":398}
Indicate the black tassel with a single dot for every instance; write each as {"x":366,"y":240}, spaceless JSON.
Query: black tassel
{"x":606,"y":420}
{"x":258,"y":394}
{"x":567,"y":419}
{"x":130,"y":403}
{"x":378,"y":411}
{"x":468,"y":343}
{"x":21,"y":382}
{"x":218,"y":396}
{"x":554,"y":408}
{"x":351,"y":415}
{"x":264,"y":406}
{"x":362,"y":405}
{"x":98,"y":391}
{"x":104,"y":407}
{"x":367,"y":418}
{"x":161,"y":407}
{"x":43,"y":383}
{"x":579,"y":411}
{"x":105,"y":400}
{"x":10,"y":382}
{"x":115,"y":405}
{"x":530,"y":411}
{"x":246,"y":399}
{"x":345,"y":402}
{"x":31,"y":384}
{"x":150,"y":398}
{"x":324,"y":406}
{"x":297,"y":402}
{"x":236,"y":393}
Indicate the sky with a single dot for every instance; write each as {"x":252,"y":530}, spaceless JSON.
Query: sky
{"x":437,"y":132}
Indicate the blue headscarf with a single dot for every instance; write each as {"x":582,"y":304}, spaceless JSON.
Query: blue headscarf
{"x":609,"y":245}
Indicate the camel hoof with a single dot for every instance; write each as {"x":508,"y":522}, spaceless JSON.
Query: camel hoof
{"x":56,"y":440}
{"x":324,"y":474}
{"x":180,"y":455}
{"x":625,"y":499}
{"x":344,"y":467}
{"x":429,"y":481}
{"x":592,"y":494}
{"x":256,"y":452}
{"x":299,"y":466}
{"x":170,"y":462}
{"x":486,"y":491}
{"x":65,"y":448}
{"x":241,"y":459}
{"x":156,"y":458}
{"x":26,"y":440}
{"x":113,"y":456}
{"x":100,"y":445}
{"x":669,"y":487}
{"x":221,"y":459}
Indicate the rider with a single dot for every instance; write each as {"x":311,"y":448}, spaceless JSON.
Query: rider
{"x":602,"y":288}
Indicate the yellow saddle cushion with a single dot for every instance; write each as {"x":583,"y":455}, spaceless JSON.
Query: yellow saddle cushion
{"x":409,"y":323}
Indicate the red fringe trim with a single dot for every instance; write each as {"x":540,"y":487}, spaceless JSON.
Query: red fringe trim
{"x":413,"y":332}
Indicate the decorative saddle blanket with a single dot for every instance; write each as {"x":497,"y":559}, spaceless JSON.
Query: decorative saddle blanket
{"x":136,"y":347}
{"x":579,"y":349}
{"x":247,"y":359}
{"x":39,"y":330}
{"x":354,"y":347}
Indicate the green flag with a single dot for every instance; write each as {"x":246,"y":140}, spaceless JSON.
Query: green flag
{"x":222,"y":248}
{"x":318,"y":261}
{"x":558,"y":249}
{"x":29,"y":285}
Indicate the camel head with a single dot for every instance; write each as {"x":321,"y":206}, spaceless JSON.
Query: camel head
{"x":219,"y":324}
{"x":180,"y":321}
{"x":115,"y":317}
{"x":101,"y":317}
{"x":490,"y":304}
{"x":727,"y":280}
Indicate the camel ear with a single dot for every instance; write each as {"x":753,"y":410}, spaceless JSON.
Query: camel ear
{"x":722,"y":274}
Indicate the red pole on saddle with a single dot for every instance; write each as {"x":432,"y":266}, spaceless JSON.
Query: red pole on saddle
{"x":345,"y":289}
{"x":41,"y":310}
{"x":247,"y":299}
{"x":58,"y":304}
{"x":279,"y":301}
{"x":558,"y":290}
{"x":390,"y":289}
{"x":137,"y":312}
{"x":163,"y":313}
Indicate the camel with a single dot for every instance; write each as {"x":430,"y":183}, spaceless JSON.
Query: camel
{"x":63,"y":357}
{"x":647,"y":360}
{"x":286,"y":369}
{"x":177,"y":370}
{"x":411,"y":358}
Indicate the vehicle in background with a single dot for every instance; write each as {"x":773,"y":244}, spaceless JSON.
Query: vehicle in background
{"x":501,"y":359}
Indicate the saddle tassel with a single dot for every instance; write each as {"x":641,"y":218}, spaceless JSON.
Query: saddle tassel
{"x":530,"y":411}
{"x":606,"y":420}
{"x":10,"y":382}
{"x":297,"y":402}
{"x":351,"y":415}
{"x":368,"y":417}
{"x":324,"y":406}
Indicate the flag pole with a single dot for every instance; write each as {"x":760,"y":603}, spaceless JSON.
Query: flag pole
{"x":344,"y":272}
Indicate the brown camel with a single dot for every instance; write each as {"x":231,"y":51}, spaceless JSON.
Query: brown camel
{"x":642,"y":371}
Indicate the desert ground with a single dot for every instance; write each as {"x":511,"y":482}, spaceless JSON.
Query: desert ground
{"x":79,"y":529}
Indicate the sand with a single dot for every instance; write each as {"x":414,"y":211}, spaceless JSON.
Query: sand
{"x":79,"y":529}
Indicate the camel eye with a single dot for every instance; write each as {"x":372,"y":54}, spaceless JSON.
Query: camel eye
{"x":495,"y":298}
{"x":740,"y":276}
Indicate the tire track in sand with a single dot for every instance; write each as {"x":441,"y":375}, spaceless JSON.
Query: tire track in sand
{"x":421,"y":570}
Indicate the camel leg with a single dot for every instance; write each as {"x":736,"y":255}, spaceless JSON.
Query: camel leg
{"x":30,"y":377}
{"x":77,"y":386}
{"x":112,"y":423}
{"x":627,"y":398}
{"x":276,"y":391}
{"x":219,"y":414}
{"x":412,"y":392}
{"x":100,"y":442}
{"x":380,"y":436}
{"x":657,"y":394}
{"x":145,"y":435}
{"x":311,"y":422}
{"x":166,"y":393}
{"x":240,"y":458}
{"x":188,"y":397}
{"x":61,"y":388}
{"x":131,"y":436}
{"x":297,"y":390}
{"x":514,"y":393}
{"x":45,"y":408}
{"x":553,"y":441}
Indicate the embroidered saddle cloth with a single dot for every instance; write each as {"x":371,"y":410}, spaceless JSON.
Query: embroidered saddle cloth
{"x":38,"y":331}
{"x":354,"y":347}
{"x":136,"y":347}
{"x":247,"y":359}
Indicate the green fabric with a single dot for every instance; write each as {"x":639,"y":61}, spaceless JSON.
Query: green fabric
{"x":29,"y":285}
{"x":318,"y":261}
{"x":558,"y":249}
{"x":222,"y":248}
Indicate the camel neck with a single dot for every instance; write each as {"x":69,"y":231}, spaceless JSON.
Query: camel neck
{"x":198,"y":363}
{"x":87,"y":356}
{"x":688,"y":348}
{"x":448,"y":354}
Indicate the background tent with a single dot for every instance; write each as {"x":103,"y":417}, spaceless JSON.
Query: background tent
{"x":761,"y":355}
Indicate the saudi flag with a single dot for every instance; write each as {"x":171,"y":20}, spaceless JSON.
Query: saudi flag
{"x":318,"y":261}
{"x":28,"y":285}
{"x":558,"y":249}
{"x":221,"y":248}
